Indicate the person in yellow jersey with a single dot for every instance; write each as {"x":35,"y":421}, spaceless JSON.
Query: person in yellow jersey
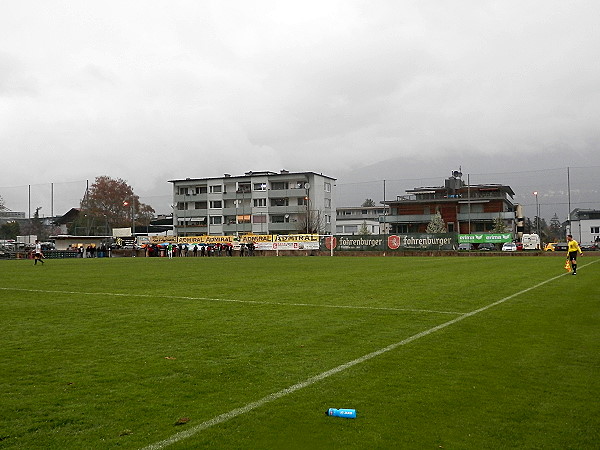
{"x":572,"y":252}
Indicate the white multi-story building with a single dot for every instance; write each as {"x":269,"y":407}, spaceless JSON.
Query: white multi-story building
{"x":257,"y":202}
{"x":356,"y":219}
{"x":585,"y":226}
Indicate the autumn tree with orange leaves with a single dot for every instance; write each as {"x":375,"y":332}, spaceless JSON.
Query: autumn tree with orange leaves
{"x":111,"y":203}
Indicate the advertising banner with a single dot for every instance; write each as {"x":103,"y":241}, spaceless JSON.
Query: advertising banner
{"x":275,"y":246}
{"x":481,"y":238}
{"x":421,"y":241}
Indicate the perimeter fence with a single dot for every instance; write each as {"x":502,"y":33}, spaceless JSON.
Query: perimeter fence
{"x":559,"y":191}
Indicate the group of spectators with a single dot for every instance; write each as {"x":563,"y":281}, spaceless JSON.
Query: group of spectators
{"x":91,"y":251}
{"x":198,"y":250}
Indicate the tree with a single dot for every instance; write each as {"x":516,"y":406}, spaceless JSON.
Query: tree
{"x":311,"y":223}
{"x":364,"y":229}
{"x":555,"y":230}
{"x":10,"y":230}
{"x":2,"y":207}
{"x":499,"y":225}
{"x":111,"y":203}
{"x":437,"y":224}
{"x":368,"y":202}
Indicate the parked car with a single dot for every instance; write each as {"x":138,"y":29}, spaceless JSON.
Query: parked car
{"x":519,"y":246}
{"x":509,"y":247}
{"x":561,"y":247}
{"x":465,"y":247}
{"x":486,"y":247}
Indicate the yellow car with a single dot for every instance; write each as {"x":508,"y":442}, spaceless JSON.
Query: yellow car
{"x":549,"y":247}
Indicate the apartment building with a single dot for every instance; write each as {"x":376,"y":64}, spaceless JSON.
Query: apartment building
{"x":256,"y":202}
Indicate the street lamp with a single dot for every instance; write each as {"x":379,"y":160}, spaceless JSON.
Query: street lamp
{"x":537,"y":213}
{"x":126,"y":203}
{"x":307,"y":198}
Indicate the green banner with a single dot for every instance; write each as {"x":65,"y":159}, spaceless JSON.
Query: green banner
{"x":485,"y":238}
{"x":380,"y":242}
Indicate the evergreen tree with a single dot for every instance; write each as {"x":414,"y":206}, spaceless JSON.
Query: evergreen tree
{"x":437,"y":224}
{"x":364,"y":229}
{"x":499,"y":225}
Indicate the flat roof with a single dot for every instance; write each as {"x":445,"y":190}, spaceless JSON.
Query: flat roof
{"x":253,"y":174}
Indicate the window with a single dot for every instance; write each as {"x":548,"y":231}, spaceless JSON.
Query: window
{"x":259,"y":218}
{"x":200,"y":205}
{"x":260,"y":186}
{"x":339,"y":229}
{"x":216,"y":188}
{"x":243,"y":188}
{"x":279,"y":201}
{"x":184,"y":191}
{"x":327,"y":187}
{"x":595,"y":230}
{"x":303,"y":201}
{"x":327,"y":203}
{"x":327,"y":218}
{"x":258,"y":202}
{"x":216,"y":204}
{"x":280,"y":219}
{"x":216,"y":220}
{"x":298,"y":185}
{"x":279,"y":185}
{"x":245,"y":218}
{"x":201,"y":189}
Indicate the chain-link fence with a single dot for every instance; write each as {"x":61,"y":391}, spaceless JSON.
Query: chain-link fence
{"x":56,"y":199}
{"x":549,"y":191}
{"x":559,"y":191}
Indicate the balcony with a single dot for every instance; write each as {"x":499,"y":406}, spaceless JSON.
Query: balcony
{"x":409,"y":218}
{"x":506,"y":215}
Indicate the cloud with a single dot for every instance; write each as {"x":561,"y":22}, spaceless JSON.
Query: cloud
{"x":144,"y":90}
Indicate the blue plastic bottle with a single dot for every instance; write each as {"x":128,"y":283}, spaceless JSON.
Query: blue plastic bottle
{"x":347,"y":413}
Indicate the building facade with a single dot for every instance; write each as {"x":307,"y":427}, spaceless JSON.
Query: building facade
{"x":585,"y":226}
{"x":351,"y":220}
{"x":256,"y":202}
{"x":464,"y":208}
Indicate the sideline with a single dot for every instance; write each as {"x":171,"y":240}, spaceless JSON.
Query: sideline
{"x":310,"y":381}
{"x":225,"y":300}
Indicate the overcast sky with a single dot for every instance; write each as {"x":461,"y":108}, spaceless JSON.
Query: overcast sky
{"x":155,"y":90}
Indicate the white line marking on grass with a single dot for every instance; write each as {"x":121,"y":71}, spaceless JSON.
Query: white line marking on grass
{"x":224,"y":300}
{"x":310,"y":381}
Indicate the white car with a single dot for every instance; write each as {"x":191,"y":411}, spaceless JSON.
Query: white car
{"x":509,"y":247}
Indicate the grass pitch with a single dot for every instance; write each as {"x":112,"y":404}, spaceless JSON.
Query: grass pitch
{"x":128,"y":352}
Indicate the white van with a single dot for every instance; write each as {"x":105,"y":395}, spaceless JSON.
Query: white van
{"x":531,"y":242}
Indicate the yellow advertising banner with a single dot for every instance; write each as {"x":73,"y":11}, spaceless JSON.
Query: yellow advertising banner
{"x":296,"y":238}
{"x":162,"y":239}
{"x":256,"y":238}
{"x":204,"y":239}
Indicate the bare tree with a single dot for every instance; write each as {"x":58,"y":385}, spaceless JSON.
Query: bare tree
{"x":311,"y":223}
